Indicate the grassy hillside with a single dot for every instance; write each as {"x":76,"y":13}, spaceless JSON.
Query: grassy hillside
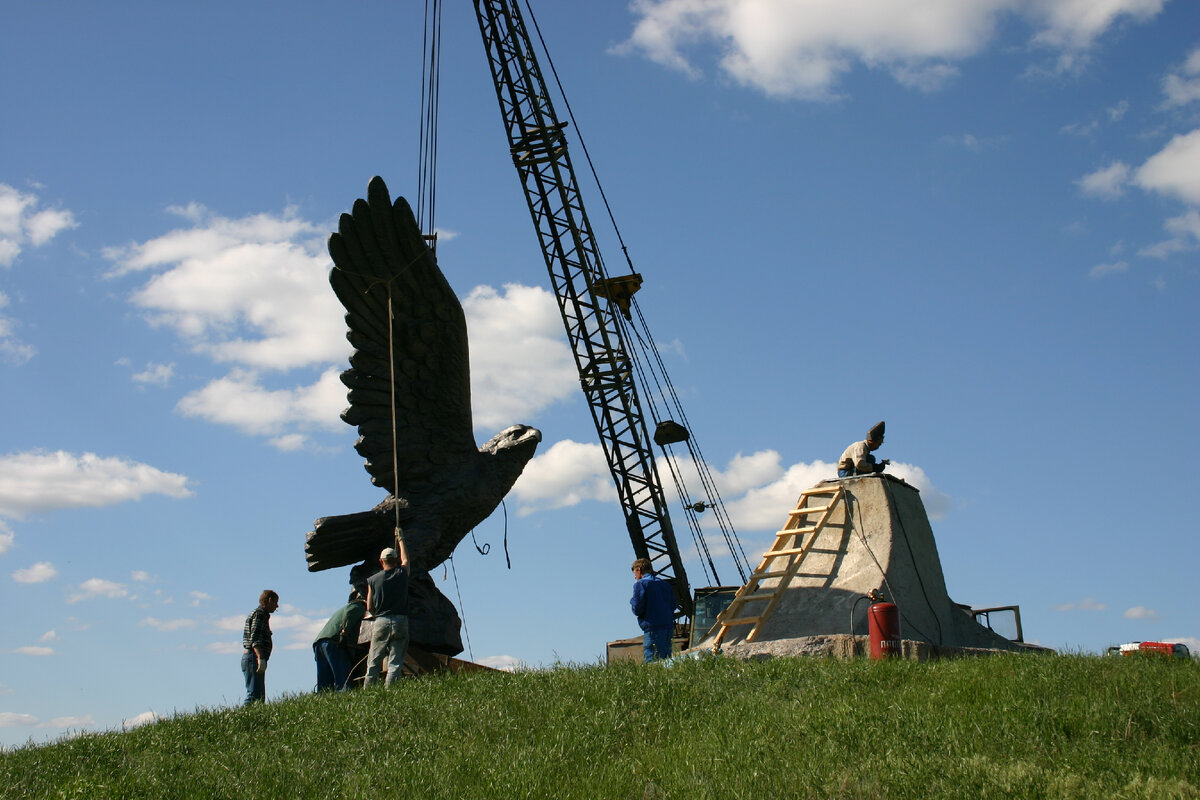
{"x":1006,"y":726}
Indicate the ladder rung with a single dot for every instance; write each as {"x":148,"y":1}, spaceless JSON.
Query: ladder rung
{"x":740,"y":621}
{"x":799,"y":512}
{"x":762,"y":576}
{"x":763,"y":595}
{"x":829,"y":490}
{"x":796,"y":531}
{"x":791,"y":551}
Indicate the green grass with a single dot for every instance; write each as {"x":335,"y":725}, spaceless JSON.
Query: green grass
{"x":1006,"y":726}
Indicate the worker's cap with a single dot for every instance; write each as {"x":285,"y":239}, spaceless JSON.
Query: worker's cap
{"x":876,"y":433}
{"x":389,"y":554}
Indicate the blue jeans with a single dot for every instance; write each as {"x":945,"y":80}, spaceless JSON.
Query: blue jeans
{"x":332,"y":665}
{"x":656,"y":643}
{"x":256,"y":684}
{"x":389,"y":636}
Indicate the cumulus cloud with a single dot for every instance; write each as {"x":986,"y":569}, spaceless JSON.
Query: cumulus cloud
{"x":250,"y":291}
{"x":38,"y":481}
{"x":31,"y":650}
{"x":1107,"y":183}
{"x":1141,"y":612}
{"x":11,"y":719}
{"x":520,"y":362}
{"x":38,"y":573}
{"x":241,"y":401}
{"x":12,"y":349}
{"x":1175,"y":170}
{"x":566,"y":474}
{"x":253,"y":294}
{"x":21,"y":223}
{"x":803,"y":48}
{"x":98,"y":587}
{"x":1183,"y":86}
{"x":138,"y":720}
{"x":168,"y":625}
{"x":1087,"y":604}
{"x":505,"y":663}
{"x":6,"y":537}
{"x":152,"y":375}
{"x":757,"y":489}
{"x":1100,"y":270}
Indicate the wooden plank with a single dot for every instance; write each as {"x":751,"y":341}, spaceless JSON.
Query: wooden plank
{"x":793,"y":551}
{"x":798,"y":511}
{"x":741,"y":621}
{"x":795,"y":532}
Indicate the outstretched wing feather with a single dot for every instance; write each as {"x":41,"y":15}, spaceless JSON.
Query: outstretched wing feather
{"x":378,"y":252}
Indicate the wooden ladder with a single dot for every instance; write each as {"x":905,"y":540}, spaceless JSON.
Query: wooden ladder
{"x":793,"y":543}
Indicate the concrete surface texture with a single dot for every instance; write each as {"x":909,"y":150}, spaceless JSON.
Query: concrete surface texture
{"x":877,"y":538}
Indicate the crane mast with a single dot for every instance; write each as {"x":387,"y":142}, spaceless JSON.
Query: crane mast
{"x":606,"y":371}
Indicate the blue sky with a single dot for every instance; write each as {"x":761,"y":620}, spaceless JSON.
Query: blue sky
{"x":979,"y":222}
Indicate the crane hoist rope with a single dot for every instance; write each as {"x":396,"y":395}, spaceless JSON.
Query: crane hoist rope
{"x":612,"y":346}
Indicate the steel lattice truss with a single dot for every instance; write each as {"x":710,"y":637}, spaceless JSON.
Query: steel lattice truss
{"x":539,"y":152}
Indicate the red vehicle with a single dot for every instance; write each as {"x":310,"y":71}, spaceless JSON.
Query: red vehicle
{"x":1176,"y":649}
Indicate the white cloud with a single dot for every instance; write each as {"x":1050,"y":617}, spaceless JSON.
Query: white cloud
{"x":224,"y":648}
{"x":11,"y":719}
{"x":98,"y":587}
{"x":1175,"y":170}
{"x":12,"y":349}
{"x":803,"y":48}
{"x":141,"y":576}
{"x":1141,"y":612}
{"x":1107,"y":183}
{"x":168,"y":625}
{"x":155,"y":374}
{"x":21,"y":224}
{"x":252,"y":292}
{"x":6,"y":537}
{"x":1100,"y":270}
{"x":566,"y":474}
{"x":34,"y":651}
{"x":758,"y":491}
{"x":520,"y":362}
{"x":1183,"y":87}
{"x":39,"y":481}
{"x":1087,"y":604}
{"x":38,"y":573}
{"x":85,"y":721}
{"x":1076,"y":24}
{"x":48,"y":636}
{"x":505,"y":663}
{"x":137,"y":721}
{"x":973,"y":143}
{"x":241,"y":401}
{"x":199,"y":597}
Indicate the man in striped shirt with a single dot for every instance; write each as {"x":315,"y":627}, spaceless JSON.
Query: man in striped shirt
{"x":256,"y":646}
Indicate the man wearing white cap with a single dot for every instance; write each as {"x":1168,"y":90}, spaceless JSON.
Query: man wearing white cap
{"x":387,"y":601}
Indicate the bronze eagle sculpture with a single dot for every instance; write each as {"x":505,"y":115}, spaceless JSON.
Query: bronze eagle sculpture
{"x":410,"y":398}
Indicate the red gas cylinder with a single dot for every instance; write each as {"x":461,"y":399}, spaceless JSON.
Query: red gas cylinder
{"x":883,"y":622}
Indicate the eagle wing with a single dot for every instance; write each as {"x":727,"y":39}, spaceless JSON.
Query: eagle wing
{"x":410,"y":345}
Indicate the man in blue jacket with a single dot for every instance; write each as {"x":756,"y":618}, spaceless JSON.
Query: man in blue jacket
{"x":653,"y":603}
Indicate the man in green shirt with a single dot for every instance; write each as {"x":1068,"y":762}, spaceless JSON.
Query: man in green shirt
{"x":334,"y":643}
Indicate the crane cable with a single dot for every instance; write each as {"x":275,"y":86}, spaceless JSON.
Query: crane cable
{"x":431,"y":61}
{"x":732,"y":540}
